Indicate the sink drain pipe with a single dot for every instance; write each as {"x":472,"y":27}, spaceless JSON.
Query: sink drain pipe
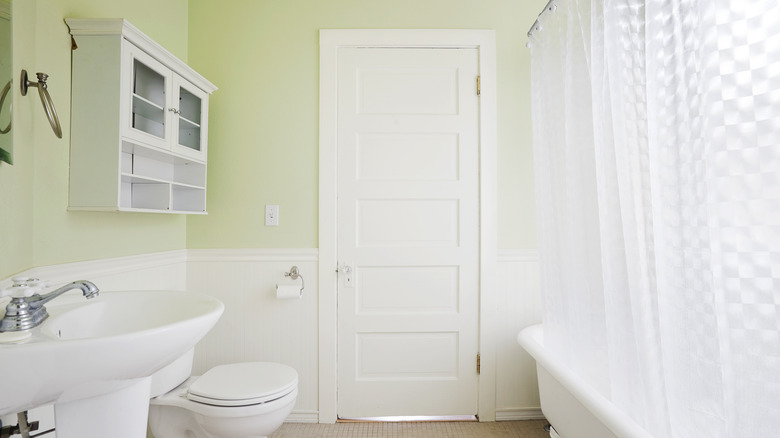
{"x":23,"y":428}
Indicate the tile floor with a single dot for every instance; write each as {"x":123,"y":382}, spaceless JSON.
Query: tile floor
{"x":502,"y":429}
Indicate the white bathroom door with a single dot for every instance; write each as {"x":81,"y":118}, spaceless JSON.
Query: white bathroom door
{"x":408,"y":231}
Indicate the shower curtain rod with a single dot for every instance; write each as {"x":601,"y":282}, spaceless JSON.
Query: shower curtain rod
{"x":550,"y":6}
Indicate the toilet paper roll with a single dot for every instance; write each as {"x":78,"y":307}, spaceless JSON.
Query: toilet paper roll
{"x":288,"y":291}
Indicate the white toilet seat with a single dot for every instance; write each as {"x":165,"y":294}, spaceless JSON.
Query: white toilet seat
{"x":237,"y":400}
{"x":243,"y":384}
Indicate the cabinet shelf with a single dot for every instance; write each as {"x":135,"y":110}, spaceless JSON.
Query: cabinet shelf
{"x":152,"y":179}
{"x":146,"y":106}
{"x":153,"y":210}
{"x":140,"y":179}
{"x":188,"y":123}
{"x":148,"y":116}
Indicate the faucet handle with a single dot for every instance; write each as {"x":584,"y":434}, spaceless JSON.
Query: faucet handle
{"x":21,"y":280}
{"x":19,"y":291}
{"x":31,"y":281}
{"x":23,"y":287}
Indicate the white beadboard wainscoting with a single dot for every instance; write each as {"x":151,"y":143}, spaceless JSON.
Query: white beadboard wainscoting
{"x":519,"y":305}
{"x":258,"y":327}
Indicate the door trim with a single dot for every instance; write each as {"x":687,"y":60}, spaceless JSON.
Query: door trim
{"x":330,"y":41}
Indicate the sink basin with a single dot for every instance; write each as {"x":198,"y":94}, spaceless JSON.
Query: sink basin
{"x":89,"y":348}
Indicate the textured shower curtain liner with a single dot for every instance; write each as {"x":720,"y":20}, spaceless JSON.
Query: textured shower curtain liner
{"x":657,"y":161}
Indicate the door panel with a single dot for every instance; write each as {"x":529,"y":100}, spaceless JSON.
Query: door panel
{"x":407,"y":222}
{"x":408,"y":289}
{"x":405,"y":91}
{"x":408,"y":226}
{"x":407,"y":157}
{"x":404,"y":356}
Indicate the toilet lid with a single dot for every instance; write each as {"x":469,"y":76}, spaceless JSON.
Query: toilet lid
{"x":242,"y":384}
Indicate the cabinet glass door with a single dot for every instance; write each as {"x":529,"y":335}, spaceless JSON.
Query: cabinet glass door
{"x":148,"y":99}
{"x":190,"y":131}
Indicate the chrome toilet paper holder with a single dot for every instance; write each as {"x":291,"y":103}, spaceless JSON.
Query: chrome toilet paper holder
{"x":295,"y":274}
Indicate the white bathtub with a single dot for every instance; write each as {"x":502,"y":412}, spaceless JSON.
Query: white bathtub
{"x":574,"y":409}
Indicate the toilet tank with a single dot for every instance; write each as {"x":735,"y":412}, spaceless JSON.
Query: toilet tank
{"x":172,"y":375}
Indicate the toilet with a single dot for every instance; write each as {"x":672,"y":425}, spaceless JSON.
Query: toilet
{"x":239,"y":400}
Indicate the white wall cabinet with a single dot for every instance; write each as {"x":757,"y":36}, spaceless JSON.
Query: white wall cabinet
{"x":139,"y":123}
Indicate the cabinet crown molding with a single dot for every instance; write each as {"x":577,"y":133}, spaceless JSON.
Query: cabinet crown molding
{"x":123,"y":28}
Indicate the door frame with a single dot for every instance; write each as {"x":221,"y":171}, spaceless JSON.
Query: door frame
{"x":330,"y":41}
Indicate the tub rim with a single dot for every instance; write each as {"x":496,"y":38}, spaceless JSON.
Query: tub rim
{"x":532,"y":340}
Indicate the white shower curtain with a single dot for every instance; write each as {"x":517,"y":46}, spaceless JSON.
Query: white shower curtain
{"x":657,"y":161}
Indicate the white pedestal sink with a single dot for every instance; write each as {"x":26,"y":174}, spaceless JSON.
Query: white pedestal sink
{"x":93,"y":359}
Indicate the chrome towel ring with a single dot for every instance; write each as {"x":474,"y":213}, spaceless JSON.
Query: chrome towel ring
{"x":3,"y":95}
{"x":48,"y":105}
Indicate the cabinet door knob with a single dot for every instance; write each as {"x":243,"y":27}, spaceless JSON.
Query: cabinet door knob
{"x":174,"y":110}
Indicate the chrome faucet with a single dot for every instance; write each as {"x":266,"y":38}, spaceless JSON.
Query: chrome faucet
{"x":26,"y":309}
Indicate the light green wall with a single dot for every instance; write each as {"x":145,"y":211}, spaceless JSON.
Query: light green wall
{"x":37,"y":228}
{"x":263,"y":54}
{"x":16,"y":182}
{"x":263,"y":125}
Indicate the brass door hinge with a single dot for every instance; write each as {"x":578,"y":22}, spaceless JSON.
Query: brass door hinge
{"x":479,"y":85}
{"x":478,"y":364}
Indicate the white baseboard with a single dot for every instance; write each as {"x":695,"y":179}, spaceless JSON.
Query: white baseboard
{"x":519,"y":414}
{"x":303,"y":417}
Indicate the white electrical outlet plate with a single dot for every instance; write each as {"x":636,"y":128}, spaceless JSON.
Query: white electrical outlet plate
{"x":271,"y":215}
